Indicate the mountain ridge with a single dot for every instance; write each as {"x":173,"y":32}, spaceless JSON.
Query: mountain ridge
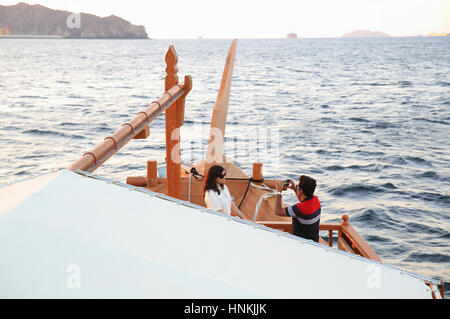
{"x":23,"y":19}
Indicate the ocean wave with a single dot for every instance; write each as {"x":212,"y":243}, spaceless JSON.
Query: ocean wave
{"x":377,"y":239}
{"x":43,"y":132}
{"x":358,"y":119}
{"x":357,"y":189}
{"x":374,"y":84}
{"x":376,"y":218}
{"x":145,"y":97}
{"x":325,"y":152}
{"x":431,"y":121}
{"x":432,"y":197}
{"x":404,"y":160}
{"x":69,"y":124}
{"x":382,"y":125}
{"x":334,"y":168}
{"x":421,"y":228}
{"x":11,"y":128}
{"x":404,"y":83}
{"x":417,"y":160}
{"x":365,"y":168}
{"x":428,"y":174}
{"x":34,"y":97}
{"x":75,"y":96}
{"x":430,"y":257}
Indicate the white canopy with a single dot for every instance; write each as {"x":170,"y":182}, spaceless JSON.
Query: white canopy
{"x":64,"y":235}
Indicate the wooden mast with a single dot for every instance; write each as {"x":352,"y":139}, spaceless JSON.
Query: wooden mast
{"x":172,"y":129}
{"x":214,"y":152}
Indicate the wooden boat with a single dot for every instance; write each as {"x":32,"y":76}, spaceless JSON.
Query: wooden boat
{"x":182,"y":187}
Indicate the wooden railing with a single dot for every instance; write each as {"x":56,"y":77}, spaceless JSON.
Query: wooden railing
{"x":348,"y":239}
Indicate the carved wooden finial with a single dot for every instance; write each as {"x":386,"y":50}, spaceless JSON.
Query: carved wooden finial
{"x":171,"y":62}
{"x":344,"y":220}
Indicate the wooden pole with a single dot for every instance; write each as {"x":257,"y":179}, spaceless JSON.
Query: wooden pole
{"x":152,"y":173}
{"x":257,"y":172}
{"x":182,"y":100}
{"x":172,"y":132}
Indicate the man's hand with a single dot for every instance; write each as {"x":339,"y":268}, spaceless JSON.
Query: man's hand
{"x":292,"y":185}
{"x":278,"y":209}
{"x":279,"y":186}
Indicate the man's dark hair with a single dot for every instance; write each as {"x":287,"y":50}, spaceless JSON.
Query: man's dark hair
{"x":307,"y":185}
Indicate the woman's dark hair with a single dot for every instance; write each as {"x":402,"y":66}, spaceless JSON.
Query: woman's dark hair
{"x":307,"y":185}
{"x":210,"y":181}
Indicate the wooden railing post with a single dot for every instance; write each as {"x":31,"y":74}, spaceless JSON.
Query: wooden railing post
{"x":182,"y":100}
{"x":330,"y":238}
{"x":344,"y":220}
{"x":152,"y":173}
{"x":257,"y":172}
{"x":172,"y":129}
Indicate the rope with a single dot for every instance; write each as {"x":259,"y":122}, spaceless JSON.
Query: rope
{"x":260,"y":201}
{"x":250,"y":180}
{"x":246,"y":191}
{"x":189,"y":191}
{"x":263,"y":198}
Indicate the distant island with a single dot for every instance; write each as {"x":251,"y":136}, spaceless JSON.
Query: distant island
{"x":24,"y":20}
{"x":365,"y":34}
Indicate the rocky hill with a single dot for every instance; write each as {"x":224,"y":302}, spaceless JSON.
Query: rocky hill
{"x":35,"y":20}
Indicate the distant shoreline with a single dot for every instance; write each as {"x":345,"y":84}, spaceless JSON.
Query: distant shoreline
{"x":204,"y":39}
{"x":55,"y":37}
{"x":30,"y":37}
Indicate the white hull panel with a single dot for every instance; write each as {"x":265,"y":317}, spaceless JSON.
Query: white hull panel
{"x":79,"y":237}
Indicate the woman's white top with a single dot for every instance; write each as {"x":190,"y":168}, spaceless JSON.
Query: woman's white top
{"x":217,"y":202}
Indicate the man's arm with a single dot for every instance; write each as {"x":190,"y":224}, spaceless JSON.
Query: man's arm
{"x":280,"y":211}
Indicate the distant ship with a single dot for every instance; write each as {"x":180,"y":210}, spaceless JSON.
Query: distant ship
{"x":434,"y":34}
{"x":5,"y":31}
{"x":292,"y":36}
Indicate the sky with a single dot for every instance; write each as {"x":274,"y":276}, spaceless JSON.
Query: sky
{"x":179,"y":19}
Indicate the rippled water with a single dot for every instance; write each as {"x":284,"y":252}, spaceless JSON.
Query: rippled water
{"x":368,"y":118}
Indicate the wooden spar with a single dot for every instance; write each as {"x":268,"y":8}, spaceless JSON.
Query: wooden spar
{"x":214,"y":152}
{"x":91,"y":160}
{"x":175,"y":94}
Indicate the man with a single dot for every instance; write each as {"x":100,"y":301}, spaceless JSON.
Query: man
{"x":306,"y":214}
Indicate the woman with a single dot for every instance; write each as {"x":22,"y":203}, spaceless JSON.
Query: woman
{"x":217,"y":196}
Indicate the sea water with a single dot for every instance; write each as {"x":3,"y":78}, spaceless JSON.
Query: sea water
{"x":369,"y":119}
